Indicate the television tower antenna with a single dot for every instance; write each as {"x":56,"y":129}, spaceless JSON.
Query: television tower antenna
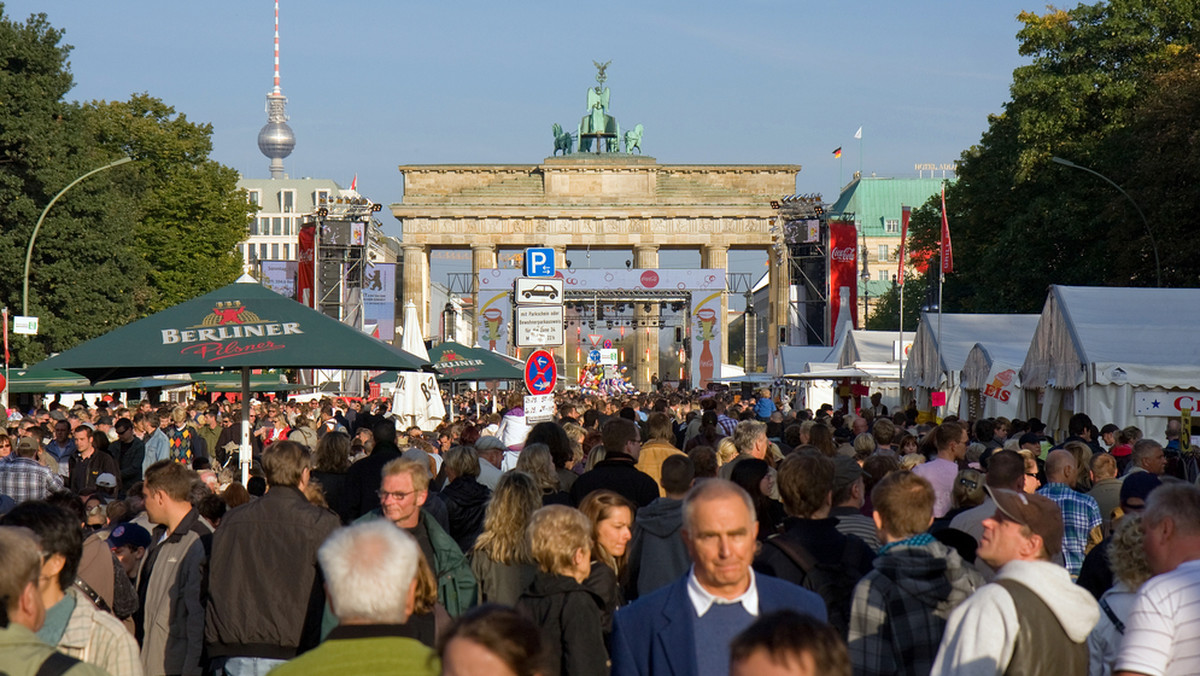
{"x":276,"y":139}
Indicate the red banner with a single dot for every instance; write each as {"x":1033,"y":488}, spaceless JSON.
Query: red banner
{"x":843,"y":272}
{"x":947,"y":249}
{"x":305,"y":271}
{"x":905,"y":214}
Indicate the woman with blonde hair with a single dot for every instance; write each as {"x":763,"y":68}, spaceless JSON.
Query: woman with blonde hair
{"x":536,"y":461}
{"x":726,"y":451}
{"x":1127,"y":560}
{"x":501,"y":560}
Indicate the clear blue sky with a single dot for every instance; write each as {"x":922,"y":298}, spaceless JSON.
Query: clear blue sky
{"x":375,"y":84}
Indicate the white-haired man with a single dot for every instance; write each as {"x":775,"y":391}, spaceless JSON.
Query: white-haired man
{"x":371,"y":576}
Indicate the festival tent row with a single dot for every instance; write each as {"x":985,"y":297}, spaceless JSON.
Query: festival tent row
{"x":1129,"y":356}
{"x":941,"y":346}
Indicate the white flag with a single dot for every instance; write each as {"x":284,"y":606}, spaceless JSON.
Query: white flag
{"x":858,"y":134}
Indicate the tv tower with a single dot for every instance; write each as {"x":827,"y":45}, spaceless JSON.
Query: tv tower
{"x":276,"y":139}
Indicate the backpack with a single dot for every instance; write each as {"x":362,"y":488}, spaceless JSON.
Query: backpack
{"x":833,"y":582}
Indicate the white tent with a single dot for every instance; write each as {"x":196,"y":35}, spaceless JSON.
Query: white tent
{"x":417,"y":399}
{"x":1129,"y":356}
{"x":875,"y":353}
{"x":990,"y":373}
{"x":932,"y":367}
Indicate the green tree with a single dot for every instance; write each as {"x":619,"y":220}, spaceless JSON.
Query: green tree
{"x":124,"y":242}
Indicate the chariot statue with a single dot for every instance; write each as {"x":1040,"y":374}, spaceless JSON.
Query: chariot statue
{"x":597,"y":126}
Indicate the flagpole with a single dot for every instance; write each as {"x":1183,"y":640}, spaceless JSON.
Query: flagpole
{"x":941,"y":278}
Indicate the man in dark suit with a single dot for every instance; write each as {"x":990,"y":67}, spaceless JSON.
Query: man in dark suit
{"x":687,"y":626}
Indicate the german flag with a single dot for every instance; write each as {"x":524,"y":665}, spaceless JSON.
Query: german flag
{"x":838,"y":152}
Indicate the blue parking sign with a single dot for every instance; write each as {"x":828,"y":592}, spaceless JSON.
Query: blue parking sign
{"x":539,"y":262}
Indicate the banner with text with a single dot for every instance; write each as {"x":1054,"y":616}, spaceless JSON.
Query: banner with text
{"x":843,"y":271}
{"x":280,"y":277}
{"x":1001,"y":393}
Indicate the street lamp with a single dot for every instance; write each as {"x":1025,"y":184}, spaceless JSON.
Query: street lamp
{"x":866,"y":278}
{"x":33,"y":237}
{"x":1149,"y":232}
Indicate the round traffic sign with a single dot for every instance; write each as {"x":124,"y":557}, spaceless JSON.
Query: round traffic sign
{"x":541,"y":373}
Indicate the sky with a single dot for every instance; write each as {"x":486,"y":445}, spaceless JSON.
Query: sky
{"x":374,"y":84}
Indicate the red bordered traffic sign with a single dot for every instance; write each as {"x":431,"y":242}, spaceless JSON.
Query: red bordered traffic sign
{"x":541,"y":373}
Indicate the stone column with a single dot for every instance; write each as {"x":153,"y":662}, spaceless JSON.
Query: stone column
{"x":717,"y":256}
{"x":415,"y":282}
{"x":483,"y":257}
{"x":645,"y":256}
{"x":780,"y":310}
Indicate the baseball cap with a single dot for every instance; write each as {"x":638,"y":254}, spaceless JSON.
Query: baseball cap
{"x":27,"y":445}
{"x":1040,"y":514}
{"x":129,"y":534}
{"x":487,"y":443}
{"x":845,"y":471}
{"x":1138,"y":485}
{"x":106,"y":480}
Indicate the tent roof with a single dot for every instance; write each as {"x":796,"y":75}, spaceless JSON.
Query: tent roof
{"x":959,"y":333}
{"x":1137,"y":336}
{"x":795,"y":358}
{"x":870,"y":346}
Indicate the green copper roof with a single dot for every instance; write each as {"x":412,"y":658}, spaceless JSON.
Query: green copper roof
{"x":873,"y":201}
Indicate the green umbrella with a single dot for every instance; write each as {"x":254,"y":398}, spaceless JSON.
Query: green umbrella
{"x":242,"y":326}
{"x":455,"y":362}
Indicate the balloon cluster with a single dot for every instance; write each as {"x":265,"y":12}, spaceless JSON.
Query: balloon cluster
{"x":593,"y":381}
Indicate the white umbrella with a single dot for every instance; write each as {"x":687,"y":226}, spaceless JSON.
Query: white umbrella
{"x":417,"y":399}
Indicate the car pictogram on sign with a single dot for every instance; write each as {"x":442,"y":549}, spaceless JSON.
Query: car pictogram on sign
{"x":541,"y":291}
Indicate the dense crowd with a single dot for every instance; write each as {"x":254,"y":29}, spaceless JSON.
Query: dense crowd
{"x":670,"y":533}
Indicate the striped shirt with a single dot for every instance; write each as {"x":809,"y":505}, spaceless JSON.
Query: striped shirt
{"x":1162,"y":634}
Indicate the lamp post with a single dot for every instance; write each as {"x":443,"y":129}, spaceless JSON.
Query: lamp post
{"x":866,"y":278}
{"x":36,"y":228}
{"x":1149,"y":232}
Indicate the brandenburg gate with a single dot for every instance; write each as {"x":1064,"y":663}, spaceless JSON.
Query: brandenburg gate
{"x":597,"y":199}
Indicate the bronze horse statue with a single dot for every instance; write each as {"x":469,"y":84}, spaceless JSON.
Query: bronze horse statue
{"x":564,"y":141}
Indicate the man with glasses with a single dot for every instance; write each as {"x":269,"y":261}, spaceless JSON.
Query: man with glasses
{"x":402,"y":492}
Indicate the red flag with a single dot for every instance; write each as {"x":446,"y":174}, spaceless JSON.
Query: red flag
{"x":354,"y":184}
{"x":905,"y":214}
{"x":947,"y":250}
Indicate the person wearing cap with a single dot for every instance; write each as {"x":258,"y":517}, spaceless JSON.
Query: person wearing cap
{"x":1082,"y":524}
{"x":849,"y":495}
{"x":1032,"y":619}
{"x":951,"y":441}
{"x":1095,"y":574}
{"x":491,"y":453}
{"x":87,"y":464}
{"x":128,"y":542}
{"x":129,"y":452}
{"x":811,"y":552}
{"x":899,"y":609}
{"x":1160,"y":633}
{"x":23,"y":478}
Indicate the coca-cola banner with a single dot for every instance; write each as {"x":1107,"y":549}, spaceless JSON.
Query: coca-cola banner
{"x":843,"y":272}
{"x":305,"y":271}
{"x":707,"y":325}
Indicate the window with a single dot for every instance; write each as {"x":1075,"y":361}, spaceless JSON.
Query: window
{"x":256,"y":197}
{"x":287,"y":252}
{"x":254,"y":226}
{"x":287,"y":201}
{"x":274,"y":252}
{"x":883,"y":252}
{"x":319,"y":195}
{"x":891,"y":225}
{"x":262,"y":252}
{"x":883,"y":275}
{"x":276,"y":226}
{"x":287,"y":226}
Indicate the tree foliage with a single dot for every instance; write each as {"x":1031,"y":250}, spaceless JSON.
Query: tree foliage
{"x":1110,"y":87}
{"x":123,"y":242}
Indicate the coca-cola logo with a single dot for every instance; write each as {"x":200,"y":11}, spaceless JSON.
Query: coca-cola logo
{"x":843,"y":255}
{"x":649,"y":279}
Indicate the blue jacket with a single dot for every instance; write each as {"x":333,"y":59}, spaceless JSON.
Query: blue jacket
{"x":654,"y":635}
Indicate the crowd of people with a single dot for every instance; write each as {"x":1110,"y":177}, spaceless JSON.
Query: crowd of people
{"x":669,"y":533}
